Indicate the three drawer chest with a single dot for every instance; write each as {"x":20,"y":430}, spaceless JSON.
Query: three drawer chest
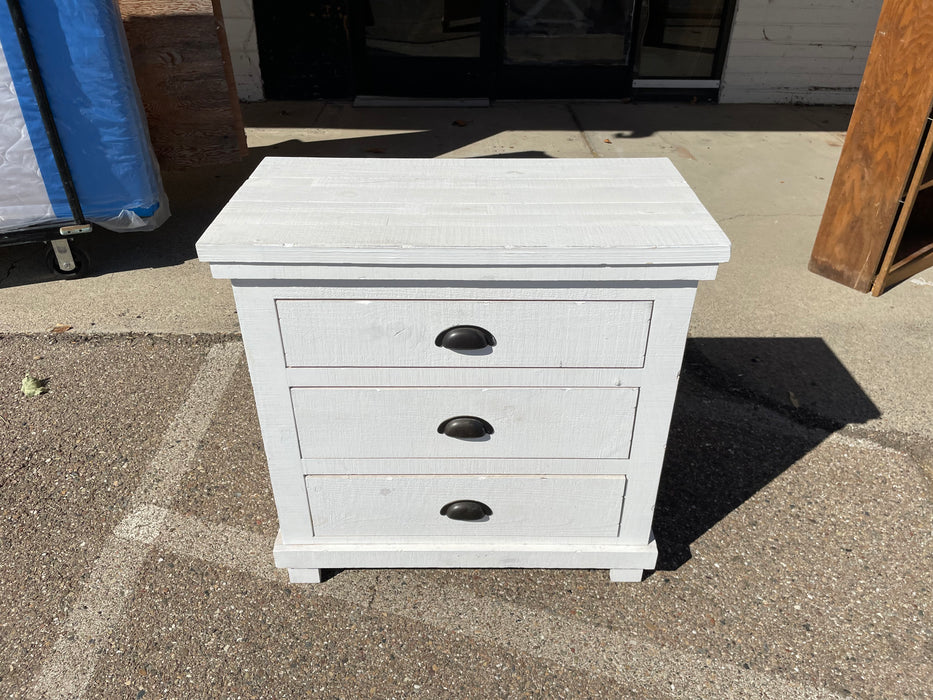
{"x":464,"y":363}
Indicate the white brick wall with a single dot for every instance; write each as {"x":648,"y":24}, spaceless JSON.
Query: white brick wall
{"x":244,"y":52}
{"x":806,"y":51}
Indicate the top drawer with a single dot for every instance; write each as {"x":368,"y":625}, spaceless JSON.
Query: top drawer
{"x":405,"y":333}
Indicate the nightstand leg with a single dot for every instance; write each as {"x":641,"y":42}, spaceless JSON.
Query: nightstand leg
{"x":623,"y":575}
{"x":304,"y":575}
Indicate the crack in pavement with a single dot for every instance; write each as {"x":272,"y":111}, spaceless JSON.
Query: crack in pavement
{"x":579,"y":125}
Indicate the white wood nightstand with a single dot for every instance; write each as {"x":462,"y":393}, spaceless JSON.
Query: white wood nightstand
{"x":464,"y":363}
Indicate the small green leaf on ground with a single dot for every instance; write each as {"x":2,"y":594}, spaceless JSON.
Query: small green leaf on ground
{"x":33,"y":386}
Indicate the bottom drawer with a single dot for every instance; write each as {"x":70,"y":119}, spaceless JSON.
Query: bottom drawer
{"x":553,"y":506}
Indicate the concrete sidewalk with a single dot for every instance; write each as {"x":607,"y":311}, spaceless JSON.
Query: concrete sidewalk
{"x":794,"y":519}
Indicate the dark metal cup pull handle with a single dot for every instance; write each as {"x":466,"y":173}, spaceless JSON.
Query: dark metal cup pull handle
{"x":465,"y":427}
{"x":466,"y":510}
{"x":465,"y":338}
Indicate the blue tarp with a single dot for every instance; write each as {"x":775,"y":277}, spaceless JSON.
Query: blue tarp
{"x":85,"y":66}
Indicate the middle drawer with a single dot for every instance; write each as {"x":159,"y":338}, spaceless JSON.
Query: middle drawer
{"x":458,"y":422}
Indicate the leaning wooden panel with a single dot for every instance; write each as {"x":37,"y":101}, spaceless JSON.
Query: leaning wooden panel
{"x":881,"y":145}
{"x":185,"y":77}
{"x":906,"y":257}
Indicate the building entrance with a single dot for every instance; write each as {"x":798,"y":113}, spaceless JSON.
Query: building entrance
{"x":484,"y":48}
{"x":487,"y":48}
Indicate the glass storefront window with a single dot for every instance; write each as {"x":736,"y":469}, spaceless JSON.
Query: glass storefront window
{"x":568,"y":32}
{"x":679,"y":38}
{"x":423,"y":28}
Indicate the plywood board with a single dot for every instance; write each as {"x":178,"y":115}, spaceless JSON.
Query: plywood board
{"x":884,"y":136}
{"x":182,"y":64}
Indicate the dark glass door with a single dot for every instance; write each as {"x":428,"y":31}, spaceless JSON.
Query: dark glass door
{"x":684,"y":38}
{"x":422,"y":48}
{"x":566,"y":48}
{"x":487,"y":48}
{"x":493,"y":48}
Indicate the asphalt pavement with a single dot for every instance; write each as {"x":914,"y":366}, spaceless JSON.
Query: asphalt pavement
{"x":794,"y":520}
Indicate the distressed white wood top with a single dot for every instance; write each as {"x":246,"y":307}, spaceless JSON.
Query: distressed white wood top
{"x":569,"y":212}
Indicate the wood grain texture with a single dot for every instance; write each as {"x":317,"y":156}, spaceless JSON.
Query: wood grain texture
{"x":358,"y":467}
{"x":363,"y":274}
{"x":398,"y":333}
{"x":899,"y":264}
{"x":910,"y":266}
{"x":500,"y":555}
{"x":672,"y":304}
{"x":407,"y":508}
{"x":185,"y":80}
{"x":881,"y":146}
{"x":465,"y":212}
{"x":529,"y":422}
{"x":260,"y":328}
{"x":256,"y":305}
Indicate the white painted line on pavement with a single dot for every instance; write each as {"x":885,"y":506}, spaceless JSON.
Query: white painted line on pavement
{"x":67,"y":670}
{"x":142,"y":525}
{"x":225,"y":546}
{"x":632,"y":662}
{"x":863,"y":444}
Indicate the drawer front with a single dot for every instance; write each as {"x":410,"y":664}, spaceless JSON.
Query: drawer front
{"x":515,"y":506}
{"x":401,"y":333}
{"x":371,"y":422}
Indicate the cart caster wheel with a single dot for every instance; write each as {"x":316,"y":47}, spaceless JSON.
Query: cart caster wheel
{"x":82,"y":264}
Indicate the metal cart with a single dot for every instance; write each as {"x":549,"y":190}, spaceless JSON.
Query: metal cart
{"x":74,"y":141}
{"x":63,"y":258}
